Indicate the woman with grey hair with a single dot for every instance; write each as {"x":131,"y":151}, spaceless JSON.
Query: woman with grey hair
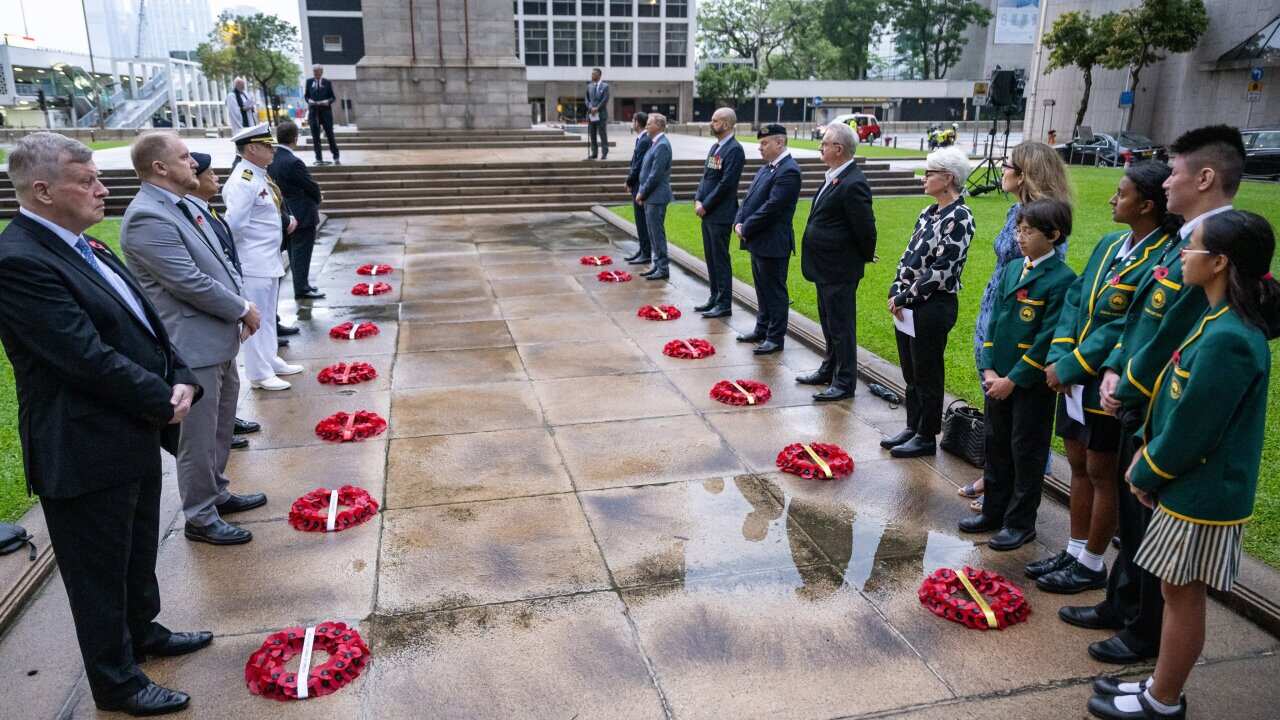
{"x":926,"y":285}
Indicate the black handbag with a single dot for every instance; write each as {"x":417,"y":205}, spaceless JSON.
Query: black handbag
{"x":964,"y":433}
{"x":13,"y":538}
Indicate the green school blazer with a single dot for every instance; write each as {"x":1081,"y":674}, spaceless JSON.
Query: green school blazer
{"x":1023,"y":319}
{"x":1205,"y":422}
{"x":1095,"y":310}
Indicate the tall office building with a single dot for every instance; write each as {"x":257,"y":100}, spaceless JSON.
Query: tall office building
{"x":124,"y":29}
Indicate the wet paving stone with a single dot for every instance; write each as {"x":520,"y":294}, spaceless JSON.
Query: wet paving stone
{"x":424,"y":337}
{"x":564,"y":328}
{"x":458,"y":367}
{"x":635,"y":452}
{"x":445,"y":311}
{"x":291,"y":421}
{"x":285,"y":474}
{"x":538,"y":306}
{"x":474,"y":466}
{"x":614,"y":397}
{"x":583,"y":359}
{"x":759,"y":435}
{"x":464,"y":409}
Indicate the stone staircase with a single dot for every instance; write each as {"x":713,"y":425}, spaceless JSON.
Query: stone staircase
{"x":447,"y":139}
{"x":365,"y":190}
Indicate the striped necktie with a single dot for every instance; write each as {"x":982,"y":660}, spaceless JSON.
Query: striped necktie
{"x":1026,"y":268}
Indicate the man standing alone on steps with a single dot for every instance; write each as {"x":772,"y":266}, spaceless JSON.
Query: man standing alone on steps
{"x":319,"y":96}
{"x":242,"y":109}
{"x":598,"y":115}
{"x":716,"y":202}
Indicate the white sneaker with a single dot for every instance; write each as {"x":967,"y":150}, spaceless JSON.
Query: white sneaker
{"x":285,"y":368}
{"x":271,"y":383}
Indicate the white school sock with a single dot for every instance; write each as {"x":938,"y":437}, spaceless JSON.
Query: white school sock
{"x":1091,"y":561}
{"x":1075,"y":547}
{"x":1135,"y":688}
{"x":1159,"y":707}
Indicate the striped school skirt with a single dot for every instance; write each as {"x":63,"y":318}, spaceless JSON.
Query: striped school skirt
{"x":1180,"y":551}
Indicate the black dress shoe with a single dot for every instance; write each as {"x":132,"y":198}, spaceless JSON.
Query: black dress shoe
{"x":1107,"y":685}
{"x":768,"y":347}
{"x":704,"y":306}
{"x":718,"y":313}
{"x":658,"y":276}
{"x":833,"y":394}
{"x":239,"y":442}
{"x":918,"y":446}
{"x":816,"y":377}
{"x":650,"y":271}
{"x":246,"y":427}
{"x":1104,"y":706}
{"x":241,"y":503}
{"x":638,"y":261}
{"x":286,"y":331}
{"x":896,"y":440}
{"x":310,"y":295}
{"x":1009,"y":539}
{"x":150,"y":700}
{"x":631,"y":257}
{"x":1048,"y":565}
{"x":979,"y":523}
{"x":1087,"y":617}
{"x":1114,"y":650}
{"x":750,"y":338}
{"x":282,"y":342}
{"x":219,"y":532}
{"x":179,"y":643}
{"x":1072,"y":579}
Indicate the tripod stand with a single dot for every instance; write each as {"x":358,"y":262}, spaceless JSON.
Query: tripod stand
{"x":986,"y":177}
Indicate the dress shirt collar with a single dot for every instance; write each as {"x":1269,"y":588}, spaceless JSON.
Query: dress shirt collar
{"x":833,"y":173}
{"x":1033,"y":263}
{"x":1189,"y":226}
{"x":785,"y":154}
{"x":63,"y":234}
{"x":173,"y":197}
{"x":658,"y":137}
{"x":197,"y":202}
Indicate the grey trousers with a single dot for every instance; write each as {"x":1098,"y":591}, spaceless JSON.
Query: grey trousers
{"x":205,"y":443}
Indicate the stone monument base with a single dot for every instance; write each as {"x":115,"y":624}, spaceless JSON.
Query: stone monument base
{"x":397,"y":92}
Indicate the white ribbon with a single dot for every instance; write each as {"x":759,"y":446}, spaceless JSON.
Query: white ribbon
{"x":352,"y":335}
{"x":332,"y":520}
{"x":304,"y":663}
{"x":371,"y":287}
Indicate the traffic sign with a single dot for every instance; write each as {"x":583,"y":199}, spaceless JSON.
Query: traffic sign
{"x":1126,"y":98}
{"x":817,"y":102}
{"x":1255,"y":74}
{"x":779,"y":102}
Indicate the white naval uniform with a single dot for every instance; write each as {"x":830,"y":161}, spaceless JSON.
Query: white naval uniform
{"x":253,"y":214}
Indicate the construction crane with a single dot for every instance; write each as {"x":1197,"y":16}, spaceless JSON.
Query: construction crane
{"x":142,"y":26}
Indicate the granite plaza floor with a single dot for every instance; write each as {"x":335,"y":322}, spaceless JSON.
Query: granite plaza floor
{"x":571,"y":528}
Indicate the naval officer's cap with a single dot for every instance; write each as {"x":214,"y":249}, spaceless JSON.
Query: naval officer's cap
{"x":260,"y":133}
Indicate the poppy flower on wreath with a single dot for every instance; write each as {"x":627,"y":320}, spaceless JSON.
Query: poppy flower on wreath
{"x":614,"y":276}
{"x":310,"y":513}
{"x":741,"y":392}
{"x":596,"y":260}
{"x":349,"y":427}
{"x":374,"y":269}
{"x":1160,"y":272}
{"x":815,"y":461}
{"x":352,"y":331}
{"x":691,"y":349}
{"x":977,"y":599}
{"x":347,"y":373}
{"x":266,"y":674}
{"x":374,"y":288}
{"x":658,"y":312}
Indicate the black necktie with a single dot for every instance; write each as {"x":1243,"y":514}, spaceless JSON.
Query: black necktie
{"x":228,"y":255}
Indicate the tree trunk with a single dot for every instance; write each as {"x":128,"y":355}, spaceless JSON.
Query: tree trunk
{"x":1084,"y":100}
{"x":1137,"y":73}
{"x":755,"y":93}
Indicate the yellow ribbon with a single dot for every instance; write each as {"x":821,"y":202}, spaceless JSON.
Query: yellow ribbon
{"x":751,"y":399}
{"x":826,"y":469}
{"x":659,"y":311}
{"x":977,"y":597}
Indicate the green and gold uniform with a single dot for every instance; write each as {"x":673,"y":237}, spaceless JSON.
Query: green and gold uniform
{"x":1022,"y":322}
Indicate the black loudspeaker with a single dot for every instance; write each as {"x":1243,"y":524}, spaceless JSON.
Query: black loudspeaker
{"x":1004,"y":88}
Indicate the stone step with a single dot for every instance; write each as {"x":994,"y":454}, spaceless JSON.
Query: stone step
{"x":456,"y":144}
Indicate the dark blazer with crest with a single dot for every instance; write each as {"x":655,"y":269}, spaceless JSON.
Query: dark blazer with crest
{"x":840,"y":234}
{"x":93,"y":383}
{"x":767,"y":210}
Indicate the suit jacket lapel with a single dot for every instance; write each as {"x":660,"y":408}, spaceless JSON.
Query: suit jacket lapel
{"x":213,"y":244}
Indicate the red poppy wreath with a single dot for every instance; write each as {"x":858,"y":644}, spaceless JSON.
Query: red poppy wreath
{"x":347,"y":373}
{"x":348,"y":427}
{"x":351,"y":331}
{"x":374,"y":269}
{"x":691,"y":349}
{"x":596,"y":260}
{"x":977,"y":599}
{"x":614,"y":276}
{"x":815,"y":461}
{"x":658,"y":312}
{"x":265,"y":672}
{"x":374,"y":288}
{"x":310,"y":513}
{"x":741,"y":392}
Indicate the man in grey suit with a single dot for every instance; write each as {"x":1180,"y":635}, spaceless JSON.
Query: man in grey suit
{"x":654,"y":194}
{"x":196,"y":288}
{"x":598,"y":115}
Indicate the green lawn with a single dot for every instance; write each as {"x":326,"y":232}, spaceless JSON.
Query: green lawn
{"x":107,"y":144}
{"x":877,"y":152}
{"x":895,"y":218}
{"x":13,"y":486}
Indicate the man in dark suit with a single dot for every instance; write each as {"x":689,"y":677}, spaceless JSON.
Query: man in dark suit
{"x":100,"y":390}
{"x":598,"y":115}
{"x":654,"y":194}
{"x":764,"y":225}
{"x":839,"y":239}
{"x":644,"y":251}
{"x":716,"y":202}
{"x":302,"y":196}
{"x":319,"y":96}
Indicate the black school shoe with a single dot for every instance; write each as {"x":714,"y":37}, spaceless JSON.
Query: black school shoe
{"x":1072,"y":579}
{"x":896,"y":440}
{"x":1048,"y":565}
{"x":1104,"y":706}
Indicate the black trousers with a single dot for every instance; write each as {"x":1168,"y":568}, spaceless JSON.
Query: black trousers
{"x":837,"y":311}
{"x":715,"y":248}
{"x":642,"y":229}
{"x":923,"y":368}
{"x":301,"y":244}
{"x":1133,"y":594}
{"x":598,"y":134}
{"x":105,"y":543}
{"x":317,"y":118}
{"x":1019,"y":430}
{"x":770,"y":277}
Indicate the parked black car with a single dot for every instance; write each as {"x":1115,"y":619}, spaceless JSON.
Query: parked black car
{"x":1105,"y":150}
{"x":1262,"y":153}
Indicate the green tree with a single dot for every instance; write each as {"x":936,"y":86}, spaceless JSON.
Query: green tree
{"x":1079,"y":40}
{"x":852,"y":27}
{"x":750,"y":29}
{"x":257,"y":47}
{"x":727,"y":84}
{"x":930,"y":33}
{"x":1147,"y":33}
